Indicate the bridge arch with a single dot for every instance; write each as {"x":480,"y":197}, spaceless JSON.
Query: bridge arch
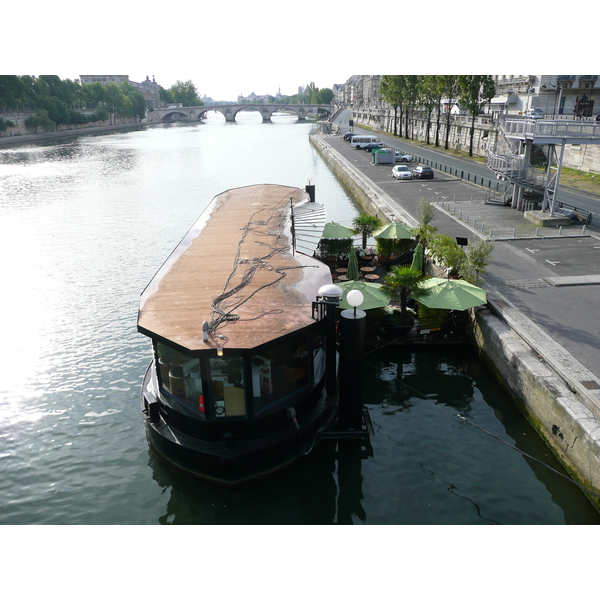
{"x":174,"y":116}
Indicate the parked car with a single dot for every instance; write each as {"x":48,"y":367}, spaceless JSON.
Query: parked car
{"x":534,"y":113}
{"x":348,"y":135}
{"x":402,"y":172}
{"x":369,"y":147}
{"x":423,"y":172}
{"x":402,"y":157}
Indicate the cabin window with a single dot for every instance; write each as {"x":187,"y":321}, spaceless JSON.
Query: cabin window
{"x":179,"y":374}
{"x":279,"y":371}
{"x":227,"y":387}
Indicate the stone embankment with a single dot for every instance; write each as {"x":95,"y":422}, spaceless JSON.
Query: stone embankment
{"x":559,"y":396}
{"x":20,"y":134}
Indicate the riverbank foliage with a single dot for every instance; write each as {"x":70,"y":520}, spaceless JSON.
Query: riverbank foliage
{"x":406,"y":93}
{"x":181,"y":92}
{"x":68,"y":102}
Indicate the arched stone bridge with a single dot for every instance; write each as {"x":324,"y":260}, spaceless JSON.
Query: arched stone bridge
{"x":229,"y":111}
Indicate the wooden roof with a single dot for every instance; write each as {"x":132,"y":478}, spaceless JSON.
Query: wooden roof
{"x":239,"y":256}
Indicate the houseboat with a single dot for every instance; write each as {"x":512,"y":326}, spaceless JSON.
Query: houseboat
{"x":237,"y":385}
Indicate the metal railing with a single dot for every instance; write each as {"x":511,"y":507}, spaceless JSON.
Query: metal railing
{"x":516,"y":168}
{"x":493,"y":184}
{"x":532,"y":128}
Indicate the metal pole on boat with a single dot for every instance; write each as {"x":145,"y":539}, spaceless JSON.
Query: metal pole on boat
{"x":330,"y":296}
{"x":310,"y":189}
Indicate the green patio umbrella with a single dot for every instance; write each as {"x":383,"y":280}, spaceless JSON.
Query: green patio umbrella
{"x":374,"y":295}
{"x":451,"y":294}
{"x":417,"y":262}
{"x":393,"y":231}
{"x":333,"y":231}
{"x":352,"y":265}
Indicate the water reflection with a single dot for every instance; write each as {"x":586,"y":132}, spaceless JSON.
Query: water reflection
{"x":323,"y":488}
{"x":304,"y":494}
{"x":424,"y":465}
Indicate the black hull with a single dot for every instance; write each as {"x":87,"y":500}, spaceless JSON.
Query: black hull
{"x":234,"y":460}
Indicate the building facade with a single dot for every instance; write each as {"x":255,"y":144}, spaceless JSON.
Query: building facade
{"x":148,"y":88}
{"x":562,"y":96}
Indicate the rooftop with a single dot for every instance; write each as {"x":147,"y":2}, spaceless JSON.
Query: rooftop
{"x":237,"y":260}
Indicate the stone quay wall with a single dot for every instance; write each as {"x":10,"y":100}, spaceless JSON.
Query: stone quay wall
{"x":565,"y":423}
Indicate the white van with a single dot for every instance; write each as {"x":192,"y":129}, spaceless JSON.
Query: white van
{"x":358,"y":141}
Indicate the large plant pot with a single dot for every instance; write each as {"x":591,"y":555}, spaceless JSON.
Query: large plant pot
{"x":398,"y":325}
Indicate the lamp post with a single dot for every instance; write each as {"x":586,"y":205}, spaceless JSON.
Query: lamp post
{"x":352,"y":341}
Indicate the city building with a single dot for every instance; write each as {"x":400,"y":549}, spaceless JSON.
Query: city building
{"x":149,"y":89}
{"x":571,"y":96}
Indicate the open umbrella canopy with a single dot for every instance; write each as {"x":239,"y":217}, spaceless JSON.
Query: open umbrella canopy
{"x":451,"y":294}
{"x":393,"y":231}
{"x":374,"y":295}
{"x":352,"y":272}
{"x":334,"y":230}
{"x":417,"y":262}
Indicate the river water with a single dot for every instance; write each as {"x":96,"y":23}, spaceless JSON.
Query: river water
{"x":84,"y":225}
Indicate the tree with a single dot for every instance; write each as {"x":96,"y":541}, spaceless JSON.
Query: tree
{"x":5,"y":124}
{"x":425,"y":214}
{"x":94,"y":94}
{"x":12,"y":91}
{"x":412,"y":95}
{"x":450,"y":84}
{"x":391,"y":89}
{"x":405,"y":282}
{"x":311,"y":92}
{"x":40,"y":119}
{"x":165,"y":95}
{"x":324,"y":96}
{"x":366,"y":225}
{"x":446,"y":251}
{"x":446,"y":88}
{"x":475,"y":92}
{"x":134,"y":103}
{"x":185,"y":92}
{"x":478,"y":257}
{"x":113,"y":98}
{"x":57,"y":110}
{"x":430,"y":96}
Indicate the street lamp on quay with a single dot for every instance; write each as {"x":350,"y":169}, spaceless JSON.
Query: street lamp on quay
{"x":556,"y":88}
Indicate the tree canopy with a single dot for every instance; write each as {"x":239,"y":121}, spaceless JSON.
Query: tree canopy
{"x":409,"y":93}
{"x":183,"y":92}
{"x":54,"y":101}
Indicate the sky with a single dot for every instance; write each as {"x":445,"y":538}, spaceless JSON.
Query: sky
{"x":239,"y":48}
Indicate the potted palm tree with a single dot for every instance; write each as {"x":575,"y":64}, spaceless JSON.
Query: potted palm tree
{"x":366,"y":225}
{"x":403,"y":283}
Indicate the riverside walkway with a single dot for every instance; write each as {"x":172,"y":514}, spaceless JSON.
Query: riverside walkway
{"x":544,"y":282}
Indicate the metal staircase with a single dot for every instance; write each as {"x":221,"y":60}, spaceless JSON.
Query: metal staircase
{"x":510,"y":156}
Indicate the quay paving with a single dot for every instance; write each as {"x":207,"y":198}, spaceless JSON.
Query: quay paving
{"x":542,"y":281}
